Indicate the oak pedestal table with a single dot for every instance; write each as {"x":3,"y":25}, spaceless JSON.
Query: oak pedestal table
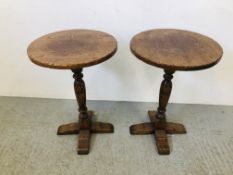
{"x":76,"y":49}
{"x":171,"y":50}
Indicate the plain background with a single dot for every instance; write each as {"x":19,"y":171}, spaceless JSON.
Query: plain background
{"x":122,"y":77}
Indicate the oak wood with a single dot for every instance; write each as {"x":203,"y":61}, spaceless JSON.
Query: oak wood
{"x":84,"y":141}
{"x":159,"y":125}
{"x":96,"y":127}
{"x":100,"y":127}
{"x":67,"y":129}
{"x":142,"y":128}
{"x":170,"y":127}
{"x":160,"y":128}
{"x":176,"y":49}
{"x":72,"y":49}
{"x":80,"y":90}
{"x":84,"y":127}
{"x":171,"y":50}
{"x":165,"y":92}
{"x":75,"y":49}
{"x":162,"y":142}
{"x":150,"y":127}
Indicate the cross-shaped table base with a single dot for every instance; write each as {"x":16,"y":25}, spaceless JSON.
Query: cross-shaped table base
{"x":84,"y":127}
{"x":159,"y":127}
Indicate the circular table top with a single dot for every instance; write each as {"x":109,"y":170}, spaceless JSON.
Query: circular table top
{"x":72,"y":49}
{"x":176,"y":49}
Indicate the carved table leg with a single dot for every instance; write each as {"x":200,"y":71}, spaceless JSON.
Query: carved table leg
{"x":84,"y":127}
{"x":158,"y":125}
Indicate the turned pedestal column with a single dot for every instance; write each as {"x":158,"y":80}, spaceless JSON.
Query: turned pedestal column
{"x":84,"y":127}
{"x":76,"y":49}
{"x":171,"y":50}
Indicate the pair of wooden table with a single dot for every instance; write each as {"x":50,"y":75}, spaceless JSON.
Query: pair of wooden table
{"x":168,"y":49}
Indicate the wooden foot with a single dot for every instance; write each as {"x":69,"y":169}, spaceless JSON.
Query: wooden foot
{"x":160,"y":128}
{"x":84,"y":128}
{"x":100,"y":127}
{"x":171,"y":128}
{"x":159,"y":125}
{"x":142,"y":128}
{"x":84,"y":141}
{"x":162,"y":142}
{"x":71,"y":128}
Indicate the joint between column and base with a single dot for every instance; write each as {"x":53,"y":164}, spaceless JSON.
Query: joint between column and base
{"x":160,"y":129}
{"x":84,"y":127}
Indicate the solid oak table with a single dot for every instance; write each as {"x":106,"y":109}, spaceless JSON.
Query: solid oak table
{"x":75,"y":49}
{"x":171,"y":50}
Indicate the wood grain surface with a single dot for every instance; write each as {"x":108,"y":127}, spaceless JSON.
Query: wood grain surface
{"x":72,"y":49}
{"x":176,"y":49}
{"x":85,"y":126}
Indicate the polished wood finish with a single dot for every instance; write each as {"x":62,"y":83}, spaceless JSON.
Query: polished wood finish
{"x":75,"y":49}
{"x":176,"y":49}
{"x":149,"y":128}
{"x":84,"y":127}
{"x":160,"y":128}
{"x":80,"y":90}
{"x":171,"y":50}
{"x":72,"y":49}
{"x":158,"y":125}
{"x":164,"y":95}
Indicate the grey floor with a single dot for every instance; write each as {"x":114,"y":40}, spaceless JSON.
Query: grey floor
{"x":29,"y":144}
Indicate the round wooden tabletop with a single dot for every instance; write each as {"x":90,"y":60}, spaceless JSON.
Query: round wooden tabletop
{"x":72,"y":49}
{"x":176,"y":49}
